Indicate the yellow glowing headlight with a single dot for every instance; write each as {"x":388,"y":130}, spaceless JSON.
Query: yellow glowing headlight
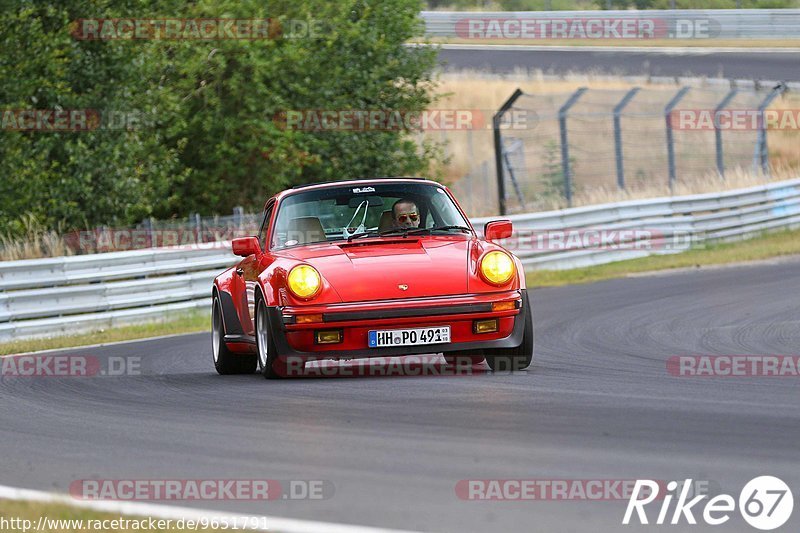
{"x":497,"y":268}
{"x":304,"y":281}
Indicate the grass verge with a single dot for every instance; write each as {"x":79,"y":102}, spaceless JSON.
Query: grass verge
{"x":60,"y":515}
{"x":191,"y":322}
{"x":766,"y":246}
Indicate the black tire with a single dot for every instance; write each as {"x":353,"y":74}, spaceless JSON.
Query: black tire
{"x":519,"y":358}
{"x":267,"y":354}
{"x":225,"y":361}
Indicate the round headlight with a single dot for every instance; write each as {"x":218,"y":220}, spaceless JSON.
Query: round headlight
{"x":497,"y":268}
{"x":304,"y":281}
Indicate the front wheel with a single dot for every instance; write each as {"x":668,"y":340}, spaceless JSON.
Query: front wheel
{"x":225,"y":361}
{"x":267,"y":354}
{"x":519,"y":358}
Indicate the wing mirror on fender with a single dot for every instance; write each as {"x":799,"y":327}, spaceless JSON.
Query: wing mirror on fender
{"x":245,"y":246}
{"x":497,"y":229}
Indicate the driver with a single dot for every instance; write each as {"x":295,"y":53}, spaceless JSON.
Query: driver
{"x":405,"y":214}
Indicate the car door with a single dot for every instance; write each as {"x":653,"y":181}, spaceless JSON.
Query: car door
{"x":249,"y":270}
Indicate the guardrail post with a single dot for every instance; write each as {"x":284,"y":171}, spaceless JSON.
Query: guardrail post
{"x":618,"y":135}
{"x":670,"y":139}
{"x":498,"y":149}
{"x":761,"y":156}
{"x":562,"y":126}
{"x":718,"y":132}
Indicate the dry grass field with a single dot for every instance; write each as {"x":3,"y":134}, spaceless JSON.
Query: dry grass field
{"x":591,"y":139}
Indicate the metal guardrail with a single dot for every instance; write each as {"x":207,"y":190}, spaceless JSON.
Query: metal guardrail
{"x":69,"y":294}
{"x":654,"y":226}
{"x":41,"y":297}
{"x":771,"y":24}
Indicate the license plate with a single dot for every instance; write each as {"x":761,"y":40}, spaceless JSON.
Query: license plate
{"x":408,"y":337}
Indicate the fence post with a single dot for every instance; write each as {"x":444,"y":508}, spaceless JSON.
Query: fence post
{"x":198,"y":225}
{"x":485,"y":179}
{"x":469,"y":194}
{"x":761,"y":156}
{"x":562,"y":125}
{"x":618,"y":135}
{"x":238,"y":220}
{"x":718,"y":132}
{"x":149,"y":226}
{"x":498,"y":149}
{"x":507,"y":158}
{"x":670,"y":140}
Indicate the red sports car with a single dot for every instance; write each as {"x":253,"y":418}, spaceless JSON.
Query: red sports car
{"x":367,"y":268}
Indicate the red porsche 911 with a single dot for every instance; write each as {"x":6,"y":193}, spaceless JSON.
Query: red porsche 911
{"x":366,"y":268}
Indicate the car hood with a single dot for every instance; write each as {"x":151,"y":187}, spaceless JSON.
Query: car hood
{"x":392,"y":268}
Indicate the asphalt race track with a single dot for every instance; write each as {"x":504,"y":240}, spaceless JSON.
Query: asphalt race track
{"x":770,"y":65}
{"x":598,"y":404}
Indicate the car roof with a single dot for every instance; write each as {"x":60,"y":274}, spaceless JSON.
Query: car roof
{"x":362,"y":181}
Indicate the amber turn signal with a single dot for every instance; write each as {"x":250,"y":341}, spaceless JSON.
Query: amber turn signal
{"x":485,"y":326}
{"x":328,"y":337}
{"x":504,"y":306}
{"x":308,"y":319}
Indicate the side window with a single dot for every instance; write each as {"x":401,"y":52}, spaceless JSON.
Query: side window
{"x":262,"y":234}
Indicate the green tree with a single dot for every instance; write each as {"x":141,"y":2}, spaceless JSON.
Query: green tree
{"x":77,"y":179}
{"x":211,"y":141}
{"x":227,"y":94}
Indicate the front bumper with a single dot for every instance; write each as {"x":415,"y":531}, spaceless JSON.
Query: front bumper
{"x":355,"y":320}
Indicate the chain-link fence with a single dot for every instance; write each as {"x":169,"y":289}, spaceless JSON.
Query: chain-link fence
{"x":593,"y":142}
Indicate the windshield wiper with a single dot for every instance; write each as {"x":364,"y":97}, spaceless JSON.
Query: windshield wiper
{"x":462,"y":228}
{"x":363,"y":234}
{"x":417,"y":231}
{"x":414,"y":231}
{"x":404,"y":231}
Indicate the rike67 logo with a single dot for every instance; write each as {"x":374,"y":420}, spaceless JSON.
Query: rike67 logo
{"x":765,"y":503}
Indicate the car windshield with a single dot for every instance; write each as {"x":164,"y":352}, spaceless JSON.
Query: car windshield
{"x":353,"y":211}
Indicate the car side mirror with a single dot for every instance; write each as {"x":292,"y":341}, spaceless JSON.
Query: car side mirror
{"x":497,"y":229}
{"x":245,"y":246}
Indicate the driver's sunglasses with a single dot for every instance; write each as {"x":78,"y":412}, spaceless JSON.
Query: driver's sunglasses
{"x":405,"y":217}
